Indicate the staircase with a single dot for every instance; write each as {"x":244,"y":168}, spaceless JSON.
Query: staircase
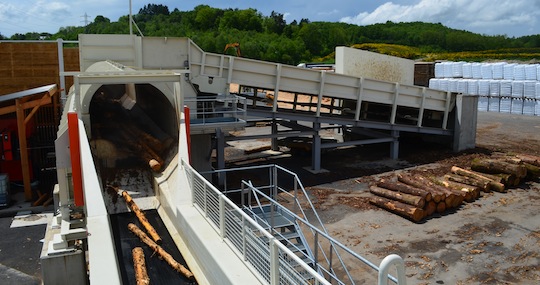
{"x":284,"y":228}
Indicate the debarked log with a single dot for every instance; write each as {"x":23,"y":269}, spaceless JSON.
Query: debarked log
{"x":160,"y":252}
{"x":142,"y":218}
{"x":139,"y":265}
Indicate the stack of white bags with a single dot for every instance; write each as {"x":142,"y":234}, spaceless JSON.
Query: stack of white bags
{"x":502,"y":87}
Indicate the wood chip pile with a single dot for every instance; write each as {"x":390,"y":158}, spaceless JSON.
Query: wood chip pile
{"x":417,"y":197}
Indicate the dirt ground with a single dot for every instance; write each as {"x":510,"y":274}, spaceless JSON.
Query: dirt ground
{"x":493,"y":240}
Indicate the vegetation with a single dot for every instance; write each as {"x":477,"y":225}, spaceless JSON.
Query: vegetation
{"x":271,"y":38}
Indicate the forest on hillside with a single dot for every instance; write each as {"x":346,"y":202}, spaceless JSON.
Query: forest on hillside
{"x":269,"y":37}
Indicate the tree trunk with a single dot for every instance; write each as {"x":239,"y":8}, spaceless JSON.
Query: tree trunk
{"x":139,"y":264}
{"x":533,"y":171}
{"x":421,"y":182}
{"x":139,"y":147}
{"x":404,"y":188}
{"x":435,"y":196}
{"x":494,"y":166}
{"x":160,"y":252}
{"x":495,"y":185}
{"x":142,"y":218}
{"x":506,"y":179}
{"x":465,"y":194}
{"x":430,"y":208}
{"x":441,"y":207}
{"x":401,"y":197}
{"x":530,"y":159}
{"x":402,"y":209}
{"x":472,"y":190}
{"x":484,"y":186}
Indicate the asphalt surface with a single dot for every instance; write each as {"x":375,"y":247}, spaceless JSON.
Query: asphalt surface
{"x":20,"y":249}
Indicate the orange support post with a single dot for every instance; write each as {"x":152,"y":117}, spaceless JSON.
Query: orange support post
{"x":187,"y":121}
{"x":75,"y":154}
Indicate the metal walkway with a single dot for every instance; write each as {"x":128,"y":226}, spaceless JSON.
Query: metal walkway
{"x":377,"y":110}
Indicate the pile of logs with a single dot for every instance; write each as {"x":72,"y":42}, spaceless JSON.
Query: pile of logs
{"x":416,"y":196}
{"x":119,"y":131}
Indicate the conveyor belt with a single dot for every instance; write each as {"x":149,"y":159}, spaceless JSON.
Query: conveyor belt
{"x":158,"y":270}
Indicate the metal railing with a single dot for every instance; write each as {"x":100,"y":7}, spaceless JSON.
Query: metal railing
{"x":325,"y":255}
{"x":272,"y":261}
{"x":217,"y":109}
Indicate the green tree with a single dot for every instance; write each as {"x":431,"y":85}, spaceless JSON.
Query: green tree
{"x":154,"y":9}
{"x":275,"y":23}
{"x":206,"y":17}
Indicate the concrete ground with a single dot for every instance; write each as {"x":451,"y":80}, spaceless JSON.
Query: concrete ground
{"x":493,"y":240}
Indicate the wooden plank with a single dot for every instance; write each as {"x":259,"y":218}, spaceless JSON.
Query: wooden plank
{"x":21,"y":129}
{"x":46,"y":99}
{"x":27,"y":105}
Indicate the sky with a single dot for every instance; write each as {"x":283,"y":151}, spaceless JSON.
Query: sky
{"x":513,"y":18}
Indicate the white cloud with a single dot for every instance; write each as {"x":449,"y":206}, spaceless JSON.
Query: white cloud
{"x":328,"y":13}
{"x":462,"y":14}
{"x":49,"y":11}
{"x":286,"y":15}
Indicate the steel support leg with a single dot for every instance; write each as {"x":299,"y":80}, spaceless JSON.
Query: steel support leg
{"x":220,"y":154}
{"x":274,"y":144}
{"x":394,"y":145}
{"x":316,"y":148}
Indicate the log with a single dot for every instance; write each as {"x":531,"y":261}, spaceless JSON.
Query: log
{"x":155,"y":144}
{"x":530,"y":159}
{"x":144,"y":151}
{"x":494,"y":166}
{"x":506,"y":179}
{"x":473,"y":191}
{"x":467,"y":194}
{"x":142,"y":218}
{"x":533,"y":171}
{"x":160,"y":252}
{"x":435,"y":196}
{"x":469,"y":181}
{"x":441,"y":207}
{"x":413,"y":213}
{"x":139,"y":265}
{"x":404,"y":188}
{"x":495,"y":185}
{"x":416,"y":201}
{"x":430,"y":208}
{"x":421,"y":182}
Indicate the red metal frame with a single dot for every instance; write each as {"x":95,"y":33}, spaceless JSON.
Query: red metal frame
{"x":75,"y":154}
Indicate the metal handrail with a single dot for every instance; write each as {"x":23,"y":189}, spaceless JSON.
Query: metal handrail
{"x":277,"y":251}
{"x":230,"y":106}
{"x":316,"y":231}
